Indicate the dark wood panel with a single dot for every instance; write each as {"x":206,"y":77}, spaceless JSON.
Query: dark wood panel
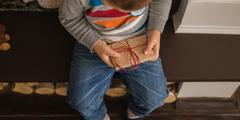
{"x":42,"y":51}
{"x":37,"y":107}
{"x":200,"y":57}
{"x":41,"y":48}
{"x":207,"y":106}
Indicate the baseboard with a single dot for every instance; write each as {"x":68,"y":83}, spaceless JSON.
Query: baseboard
{"x":215,"y":1}
{"x":185,"y":19}
{"x":206,"y":29}
{"x":178,"y":28}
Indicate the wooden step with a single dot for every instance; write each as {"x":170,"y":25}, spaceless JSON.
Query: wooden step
{"x":42,"y":107}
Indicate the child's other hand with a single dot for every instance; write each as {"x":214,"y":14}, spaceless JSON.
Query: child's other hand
{"x":153,"y":38}
{"x":105,"y":52}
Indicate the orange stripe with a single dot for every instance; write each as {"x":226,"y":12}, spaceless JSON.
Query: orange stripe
{"x":116,"y":22}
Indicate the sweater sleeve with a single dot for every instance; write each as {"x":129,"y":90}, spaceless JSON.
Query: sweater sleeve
{"x":158,"y":14}
{"x":71,"y":16}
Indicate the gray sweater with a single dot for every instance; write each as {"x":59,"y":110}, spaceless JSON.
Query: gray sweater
{"x":72,"y":17}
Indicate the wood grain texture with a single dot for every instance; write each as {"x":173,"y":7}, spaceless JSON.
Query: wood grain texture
{"x":37,"y":107}
{"x":42,"y":52}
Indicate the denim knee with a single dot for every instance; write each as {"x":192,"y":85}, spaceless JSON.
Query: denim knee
{"x":146,"y":106}
{"x":89,"y":110}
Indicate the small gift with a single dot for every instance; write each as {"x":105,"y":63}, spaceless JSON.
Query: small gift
{"x":131,"y":52}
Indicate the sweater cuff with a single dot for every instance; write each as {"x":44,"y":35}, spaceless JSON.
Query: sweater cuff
{"x":90,"y":39}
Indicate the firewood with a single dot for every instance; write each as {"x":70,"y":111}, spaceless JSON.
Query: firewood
{"x":3,"y":86}
{"x":45,"y":88}
{"x":170,"y":98}
{"x":172,"y":93}
{"x":4,"y":39}
{"x":49,"y":4}
{"x":117,"y":91}
{"x":7,"y":37}
{"x":5,"y":46}
{"x":23,"y":88}
{"x":27,"y":1}
{"x":170,"y":83}
{"x":61,"y":88}
{"x":33,"y":84}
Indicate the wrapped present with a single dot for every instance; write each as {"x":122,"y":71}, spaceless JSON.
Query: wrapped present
{"x":131,"y":52}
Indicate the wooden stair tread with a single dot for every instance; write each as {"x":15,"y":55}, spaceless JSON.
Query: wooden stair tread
{"x":40,"y":106}
{"x":215,"y":106}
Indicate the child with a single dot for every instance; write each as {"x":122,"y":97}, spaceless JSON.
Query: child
{"x":96,"y":23}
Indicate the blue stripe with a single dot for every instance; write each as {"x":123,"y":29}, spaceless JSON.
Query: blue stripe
{"x":95,"y":3}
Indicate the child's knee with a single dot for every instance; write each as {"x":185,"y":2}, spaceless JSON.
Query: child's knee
{"x":86,"y":107}
{"x":147,"y":108}
{"x":144,"y":106}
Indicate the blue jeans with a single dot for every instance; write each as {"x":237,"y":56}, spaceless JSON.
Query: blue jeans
{"x":90,"y":78}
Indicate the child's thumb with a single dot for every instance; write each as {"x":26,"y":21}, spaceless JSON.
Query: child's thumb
{"x":113,"y":53}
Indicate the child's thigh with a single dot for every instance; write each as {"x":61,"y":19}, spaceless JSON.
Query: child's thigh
{"x":86,"y":65}
{"x":89,"y":77}
{"x":147,"y":82}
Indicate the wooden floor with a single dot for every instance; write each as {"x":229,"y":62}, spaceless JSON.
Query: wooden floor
{"x":37,"y":107}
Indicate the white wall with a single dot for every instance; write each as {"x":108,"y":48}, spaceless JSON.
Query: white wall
{"x":208,"y":16}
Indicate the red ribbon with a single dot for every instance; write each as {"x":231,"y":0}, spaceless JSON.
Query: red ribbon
{"x":134,"y":58}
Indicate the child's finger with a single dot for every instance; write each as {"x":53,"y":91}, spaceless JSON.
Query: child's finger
{"x":156,"y":50}
{"x":112,"y":53}
{"x":107,"y":60}
{"x":149,"y":47}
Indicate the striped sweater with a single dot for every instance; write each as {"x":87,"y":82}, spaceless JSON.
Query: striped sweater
{"x":91,"y":20}
{"x":114,"y":25}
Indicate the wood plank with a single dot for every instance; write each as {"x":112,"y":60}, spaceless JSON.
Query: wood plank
{"x":200,"y":57}
{"x":42,"y":51}
{"x":207,"y":106}
{"x":41,"y":47}
{"x":42,"y":107}
{"x":236,"y":98}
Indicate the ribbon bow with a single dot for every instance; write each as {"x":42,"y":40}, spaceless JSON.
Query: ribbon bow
{"x":134,"y":58}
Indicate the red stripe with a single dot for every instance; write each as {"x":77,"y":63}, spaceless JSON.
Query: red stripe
{"x":107,"y":13}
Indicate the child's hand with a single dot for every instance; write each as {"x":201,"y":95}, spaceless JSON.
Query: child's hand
{"x":153,"y":37}
{"x":105,"y":52}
